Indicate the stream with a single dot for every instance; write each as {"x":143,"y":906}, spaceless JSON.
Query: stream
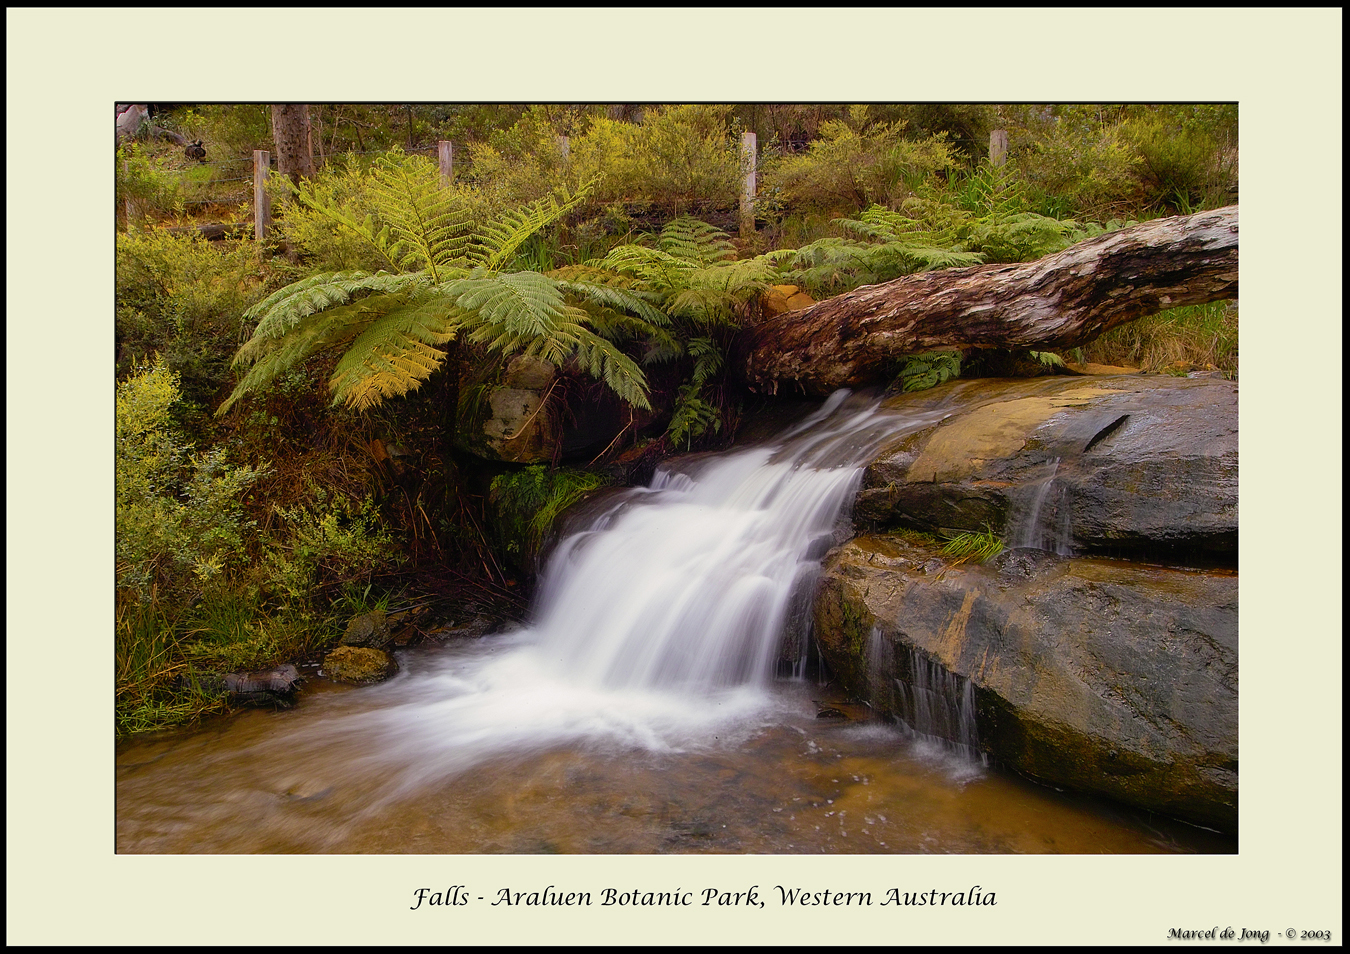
{"x":644,"y":710}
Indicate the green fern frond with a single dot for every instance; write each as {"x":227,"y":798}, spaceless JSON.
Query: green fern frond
{"x":652,"y":267}
{"x":267,"y":357}
{"x":519,"y":305}
{"x":592,"y":274}
{"x":707,"y":360}
{"x":279,"y":312}
{"x":394,"y":355}
{"x":618,"y":299}
{"x":427,"y":226}
{"x":602,"y":359}
{"x":696,"y":241}
{"x":499,"y":240}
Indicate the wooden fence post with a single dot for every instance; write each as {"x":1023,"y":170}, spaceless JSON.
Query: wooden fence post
{"x":998,"y":147}
{"x":748,"y":146}
{"x":262,"y":203}
{"x":446,"y":151}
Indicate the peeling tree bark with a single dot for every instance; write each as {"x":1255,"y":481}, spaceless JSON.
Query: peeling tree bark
{"x":1060,"y":301}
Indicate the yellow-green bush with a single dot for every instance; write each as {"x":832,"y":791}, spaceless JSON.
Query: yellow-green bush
{"x":311,"y":222}
{"x":678,"y":158}
{"x":183,"y":298}
{"x":330,"y":539}
{"x":179,"y":515}
{"x":853,"y":165}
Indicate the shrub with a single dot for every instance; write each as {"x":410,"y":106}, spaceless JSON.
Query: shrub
{"x":183,"y":298}
{"x":853,"y":165}
{"x":1077,"y":163}
{"x":330,"y":541}
{"x":1181,"y":166}
{"x":679,"y":158}
{"x":179,"y":516}
{"x":151,"y":183}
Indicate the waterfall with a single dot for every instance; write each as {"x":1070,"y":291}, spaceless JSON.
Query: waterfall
{"x":1040,"y":526}
{"x":939,"y":706}
{"x":659,"y":625}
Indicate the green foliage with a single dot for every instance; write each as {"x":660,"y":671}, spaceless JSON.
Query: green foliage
{"x":979,"y":546}
{"x":179,"y":516}
{"x":692,"y":275}
{"x":182,"y":298}
{"x":920,"y":372}
{"x":693,"y":416}
{"x":1181,"y":170}
{"x":154,"y":686}
{"x":678,"y":158}
{"x":1047,"y":358}
{"x":889,"y":245}
{"x":307,"y":225}
{"x":1190,"y":338}
{"x":528,"y":501}
{"x":391,"y":323}
{"x":331,"y":541}
{"x":854,"y":164}
{"x":150,"y":182}
{"x":230,"y":131}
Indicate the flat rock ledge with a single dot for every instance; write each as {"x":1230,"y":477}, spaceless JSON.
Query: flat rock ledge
{"x":1125,"y":465}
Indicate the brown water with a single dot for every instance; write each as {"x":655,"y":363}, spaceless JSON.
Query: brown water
{"x":791,"y":783}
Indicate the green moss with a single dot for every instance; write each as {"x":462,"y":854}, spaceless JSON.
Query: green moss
{"x":527,"y":503}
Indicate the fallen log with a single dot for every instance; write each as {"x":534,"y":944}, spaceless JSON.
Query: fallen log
{"x":1059,"y":301}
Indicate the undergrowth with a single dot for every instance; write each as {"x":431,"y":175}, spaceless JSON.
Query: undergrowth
{"x":1177,"y":341}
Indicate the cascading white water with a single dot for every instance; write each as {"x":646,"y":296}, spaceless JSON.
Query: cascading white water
{"x":1045,"y":527}
{"x":938,"y":705}
{"x":658,"y":626}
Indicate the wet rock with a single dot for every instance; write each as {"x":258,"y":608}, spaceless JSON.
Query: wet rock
{"x":506,"y":418}
{"x":368,"y":629}
{"x":474,"y":627}
{"x":1132,"y":463}
{"x":1099,"y":675}
{"x":358,"y":665}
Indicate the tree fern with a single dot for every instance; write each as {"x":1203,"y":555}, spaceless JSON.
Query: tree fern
{"x":450,"y":281}
{"x":394,"y":354}
{"x":284,"y":309}
{"x":499,"y":240}
{"x":429,"y":226}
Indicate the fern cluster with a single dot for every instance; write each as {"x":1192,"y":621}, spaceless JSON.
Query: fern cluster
{"x":691,"y":274}
{"x":448,"y":277}
{"x":922,"y":371}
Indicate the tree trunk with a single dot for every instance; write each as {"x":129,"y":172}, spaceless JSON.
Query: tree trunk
{"x":1060,"y":301}
{"x":291,"y":133}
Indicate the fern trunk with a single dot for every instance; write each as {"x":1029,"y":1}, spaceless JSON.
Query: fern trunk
{"x":1059,"y":301}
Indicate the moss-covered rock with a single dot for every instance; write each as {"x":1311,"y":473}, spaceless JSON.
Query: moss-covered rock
{"x":368,"y":629}
{"x":358,"y":665}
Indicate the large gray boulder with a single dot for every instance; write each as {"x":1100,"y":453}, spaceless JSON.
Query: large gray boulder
{"x":1099,"y":675}
{"x":1128,"y":463}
